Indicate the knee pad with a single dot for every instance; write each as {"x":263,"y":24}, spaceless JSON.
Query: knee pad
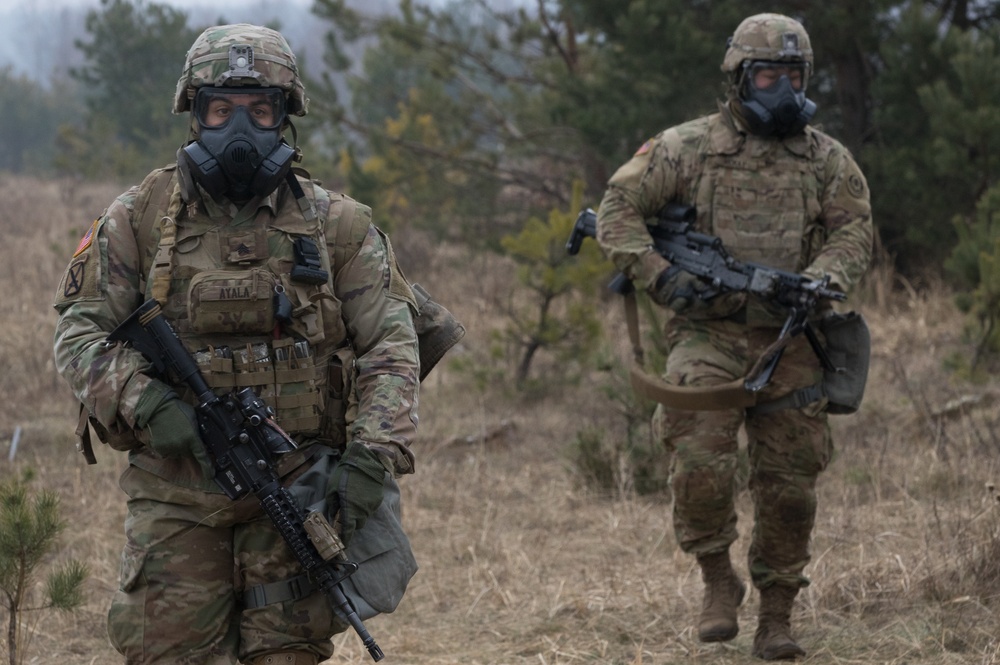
{"x":793,"y":504}
{"x":707,"y":488}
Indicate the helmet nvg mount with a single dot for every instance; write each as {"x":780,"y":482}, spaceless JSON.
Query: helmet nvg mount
{"x":778,"y":42}
{"x":270,"y":63}
{"x":233,"y":74}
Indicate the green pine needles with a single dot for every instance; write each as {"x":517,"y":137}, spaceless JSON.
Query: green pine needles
{"x":29,"y":528}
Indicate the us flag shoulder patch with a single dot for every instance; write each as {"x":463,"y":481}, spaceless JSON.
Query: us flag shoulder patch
{"x":644,"y":148}
{"x":86,"y":240}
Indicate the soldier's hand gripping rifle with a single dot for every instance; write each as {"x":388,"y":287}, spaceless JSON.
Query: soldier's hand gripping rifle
{"x":243,"y":441}
{"x":704,"y":257}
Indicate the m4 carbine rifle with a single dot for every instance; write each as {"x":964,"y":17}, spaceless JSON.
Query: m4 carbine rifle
{"x":704,"y":256}
{"x":243,"y":441}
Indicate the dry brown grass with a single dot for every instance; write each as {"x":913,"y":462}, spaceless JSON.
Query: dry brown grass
{"x":521,"y":563}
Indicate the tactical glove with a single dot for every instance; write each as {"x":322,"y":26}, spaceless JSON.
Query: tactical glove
{"x":678,"y":290}
{"x":172,"y":425}
{"x":356,"y":487}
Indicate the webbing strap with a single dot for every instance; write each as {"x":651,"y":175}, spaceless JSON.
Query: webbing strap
{"x":732,"y":395}
{"x":305,"y":205}
{"x":165,"y":252}
{"x":83,"y":435}
{"x":793,"y":400}
{"x":347,"y":239}
{"x":278,"y":592}
{"x":722,"y":397}
{"x":688,"y":398}
{"x":632,"y":321}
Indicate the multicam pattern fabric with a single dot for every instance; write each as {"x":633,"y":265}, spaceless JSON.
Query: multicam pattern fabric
{"x":767,"y":37}
{"x":207,"y":64}
{"x":335,"y":354}
{"x":187,"y":560}
{"x":178,"y":601}
{"x":799,"y":204}
{"x":359,"y":305}
{"x":787,"y":449}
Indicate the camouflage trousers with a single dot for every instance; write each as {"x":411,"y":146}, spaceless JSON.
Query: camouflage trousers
{"x":786,"y":449}
{"x":188,"y":557}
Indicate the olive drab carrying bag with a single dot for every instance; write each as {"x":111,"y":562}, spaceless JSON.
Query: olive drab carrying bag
{"x":848,"y":346}
{"x":381,"y":549}
{"x":848,"y":343}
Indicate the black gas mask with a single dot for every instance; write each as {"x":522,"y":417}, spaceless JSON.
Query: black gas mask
{"x":239,"y":152}
{"x":776,"y":107}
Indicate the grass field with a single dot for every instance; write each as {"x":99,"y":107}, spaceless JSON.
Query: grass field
{"x":521,"y":561}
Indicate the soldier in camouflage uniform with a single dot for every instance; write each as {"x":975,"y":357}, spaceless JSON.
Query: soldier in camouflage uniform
{"x":777,"y":192}
{"x":271,"y":282}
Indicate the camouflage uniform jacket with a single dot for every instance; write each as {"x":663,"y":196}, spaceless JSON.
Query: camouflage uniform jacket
{"x":799,"y":204}
{"x":364,"y":307}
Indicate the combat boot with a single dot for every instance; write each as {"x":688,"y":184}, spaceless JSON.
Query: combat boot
{"x":773,"y":640}
{"x":723,"y":594}
{"x":285,"y":658}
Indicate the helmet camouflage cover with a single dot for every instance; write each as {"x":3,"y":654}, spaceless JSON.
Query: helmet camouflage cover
{"x":768,"y":37}
{"x":220,"y":57}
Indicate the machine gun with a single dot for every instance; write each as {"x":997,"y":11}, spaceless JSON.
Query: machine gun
{"x":705,"y":257}
{"x":243,"y":441}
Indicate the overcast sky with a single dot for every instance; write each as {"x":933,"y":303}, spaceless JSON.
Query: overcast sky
{"x":36,"y":36}
{"x":184,"y":4}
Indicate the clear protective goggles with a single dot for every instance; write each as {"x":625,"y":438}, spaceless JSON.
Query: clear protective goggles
{"x":763,"y":74}
{"x":265,"y":107}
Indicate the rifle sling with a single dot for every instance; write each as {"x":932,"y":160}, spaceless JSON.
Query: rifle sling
{"x":632,"y":320}
{"x":722,"y":397}
{"x":732,"y":395}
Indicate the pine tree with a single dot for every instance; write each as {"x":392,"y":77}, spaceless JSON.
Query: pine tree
{"x":29,"y":528}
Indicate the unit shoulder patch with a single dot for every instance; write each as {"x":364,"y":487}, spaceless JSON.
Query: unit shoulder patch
{"x":856,"y":186}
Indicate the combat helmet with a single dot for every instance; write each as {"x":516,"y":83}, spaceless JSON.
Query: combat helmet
{"x":772,"y":37}
{"x":770,"y":105}
{"x":219,"y":58}
{"x":240,"y":83}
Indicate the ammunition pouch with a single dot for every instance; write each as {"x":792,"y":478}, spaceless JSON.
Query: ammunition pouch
{"x":286,"y":373}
